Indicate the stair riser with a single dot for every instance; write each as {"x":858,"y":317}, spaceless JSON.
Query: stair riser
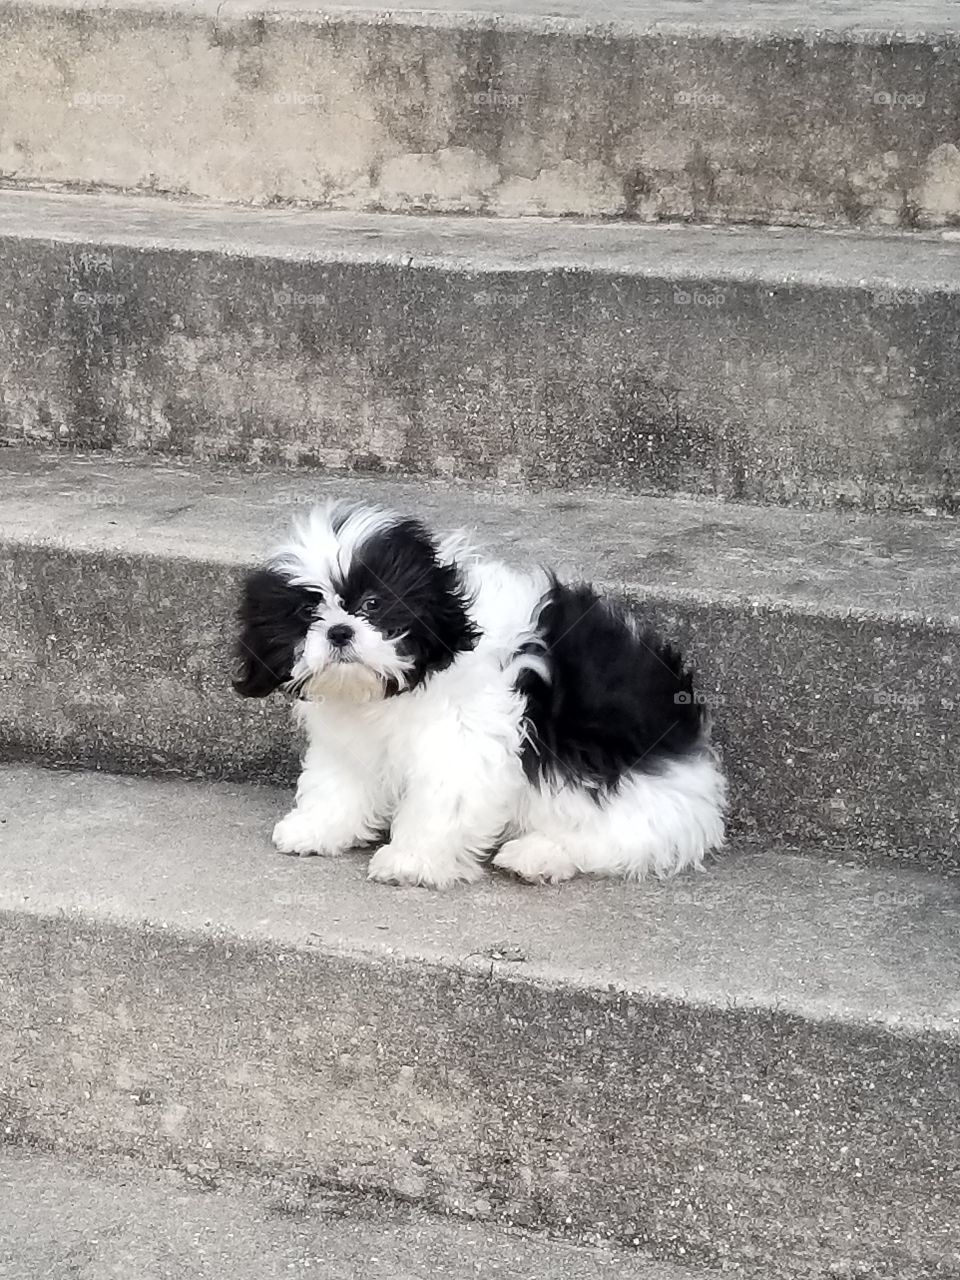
{"x":123,"y":663}
{"x":802,"y":393}
{"x":699,"y":1134}
{"x":472,"y":115}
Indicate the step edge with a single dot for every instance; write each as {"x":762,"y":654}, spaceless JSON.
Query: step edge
{"x":227,"y":938}
{"x":467,"y":245}
{"x":653,"y":593}
{"x":818,"y":26}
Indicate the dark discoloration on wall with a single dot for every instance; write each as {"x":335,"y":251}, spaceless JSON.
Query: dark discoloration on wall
{"x":482,"y":117}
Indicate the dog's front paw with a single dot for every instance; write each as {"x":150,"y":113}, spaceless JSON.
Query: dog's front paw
{"x":399,"y":864}
{"x":302,"y":833}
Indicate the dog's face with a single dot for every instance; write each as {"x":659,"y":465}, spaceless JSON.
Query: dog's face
{"x":357,"y":606}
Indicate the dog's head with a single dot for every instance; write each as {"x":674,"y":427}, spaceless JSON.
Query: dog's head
{"x":358,"y":605}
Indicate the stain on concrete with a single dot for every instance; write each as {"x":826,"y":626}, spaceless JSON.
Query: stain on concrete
{"x":360,"y":114}
{"x":937,"y":198}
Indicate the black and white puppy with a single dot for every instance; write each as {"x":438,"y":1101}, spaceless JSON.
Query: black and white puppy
{"x":470,"y":709}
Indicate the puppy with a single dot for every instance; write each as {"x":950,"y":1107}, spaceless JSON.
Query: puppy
{"x":466,"y":709}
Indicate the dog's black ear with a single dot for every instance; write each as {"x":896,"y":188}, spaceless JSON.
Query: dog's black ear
{"x":274,"y":617}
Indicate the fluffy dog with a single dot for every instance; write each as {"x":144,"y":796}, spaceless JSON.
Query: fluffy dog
{"x":458,"y":708}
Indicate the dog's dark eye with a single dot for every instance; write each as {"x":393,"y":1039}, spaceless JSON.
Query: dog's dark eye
{"x":307,"y":612}
{"x":369,"y":604}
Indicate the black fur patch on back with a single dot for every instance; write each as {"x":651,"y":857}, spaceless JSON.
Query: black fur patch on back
{"x":274,"y":619}
{"x":619,"y":700}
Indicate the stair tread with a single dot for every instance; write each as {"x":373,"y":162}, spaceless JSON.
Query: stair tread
{"x":889,"y":565}
{"x":772,"y":929}
{"x":754,"y":16}
{"x":880,"y":258}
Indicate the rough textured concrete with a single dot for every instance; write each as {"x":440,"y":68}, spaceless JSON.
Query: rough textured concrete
{"x":824,"y":941}
{"x":829,"y":113}
{"x":753,"y":1069}
{"x":782,"y":366}
{"x":94,"y":1220}
{"x":826,"y":642}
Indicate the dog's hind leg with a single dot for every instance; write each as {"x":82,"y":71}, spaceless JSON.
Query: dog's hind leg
{"x":652,"y":824}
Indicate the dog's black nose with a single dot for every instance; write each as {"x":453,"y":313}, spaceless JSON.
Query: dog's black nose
{"x":340,"y":635}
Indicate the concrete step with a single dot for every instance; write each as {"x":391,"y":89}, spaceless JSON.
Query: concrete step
{"x":752,"y":1069}
{"x":826,"y":642}
{"x":93,"y":1219}
{"x":819,"y":112}
{"x":788,"y":366}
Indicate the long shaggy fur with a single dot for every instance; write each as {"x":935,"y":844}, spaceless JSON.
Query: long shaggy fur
{"x":462,"y":710}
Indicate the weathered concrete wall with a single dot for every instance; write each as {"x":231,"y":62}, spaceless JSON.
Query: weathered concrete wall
{"x":647,"y":111}
{"x":790,"y":368}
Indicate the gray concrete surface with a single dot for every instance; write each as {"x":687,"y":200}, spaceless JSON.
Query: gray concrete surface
{"x":100,"y":1219}
{"x":777,"y":366}
{"x":754,"y":1069}
{"x":827,"y":113}
{"x":850,"y":18}
{"x":826,"y":941}
{"x":825,"y":642}
{"x":770,"y":256}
